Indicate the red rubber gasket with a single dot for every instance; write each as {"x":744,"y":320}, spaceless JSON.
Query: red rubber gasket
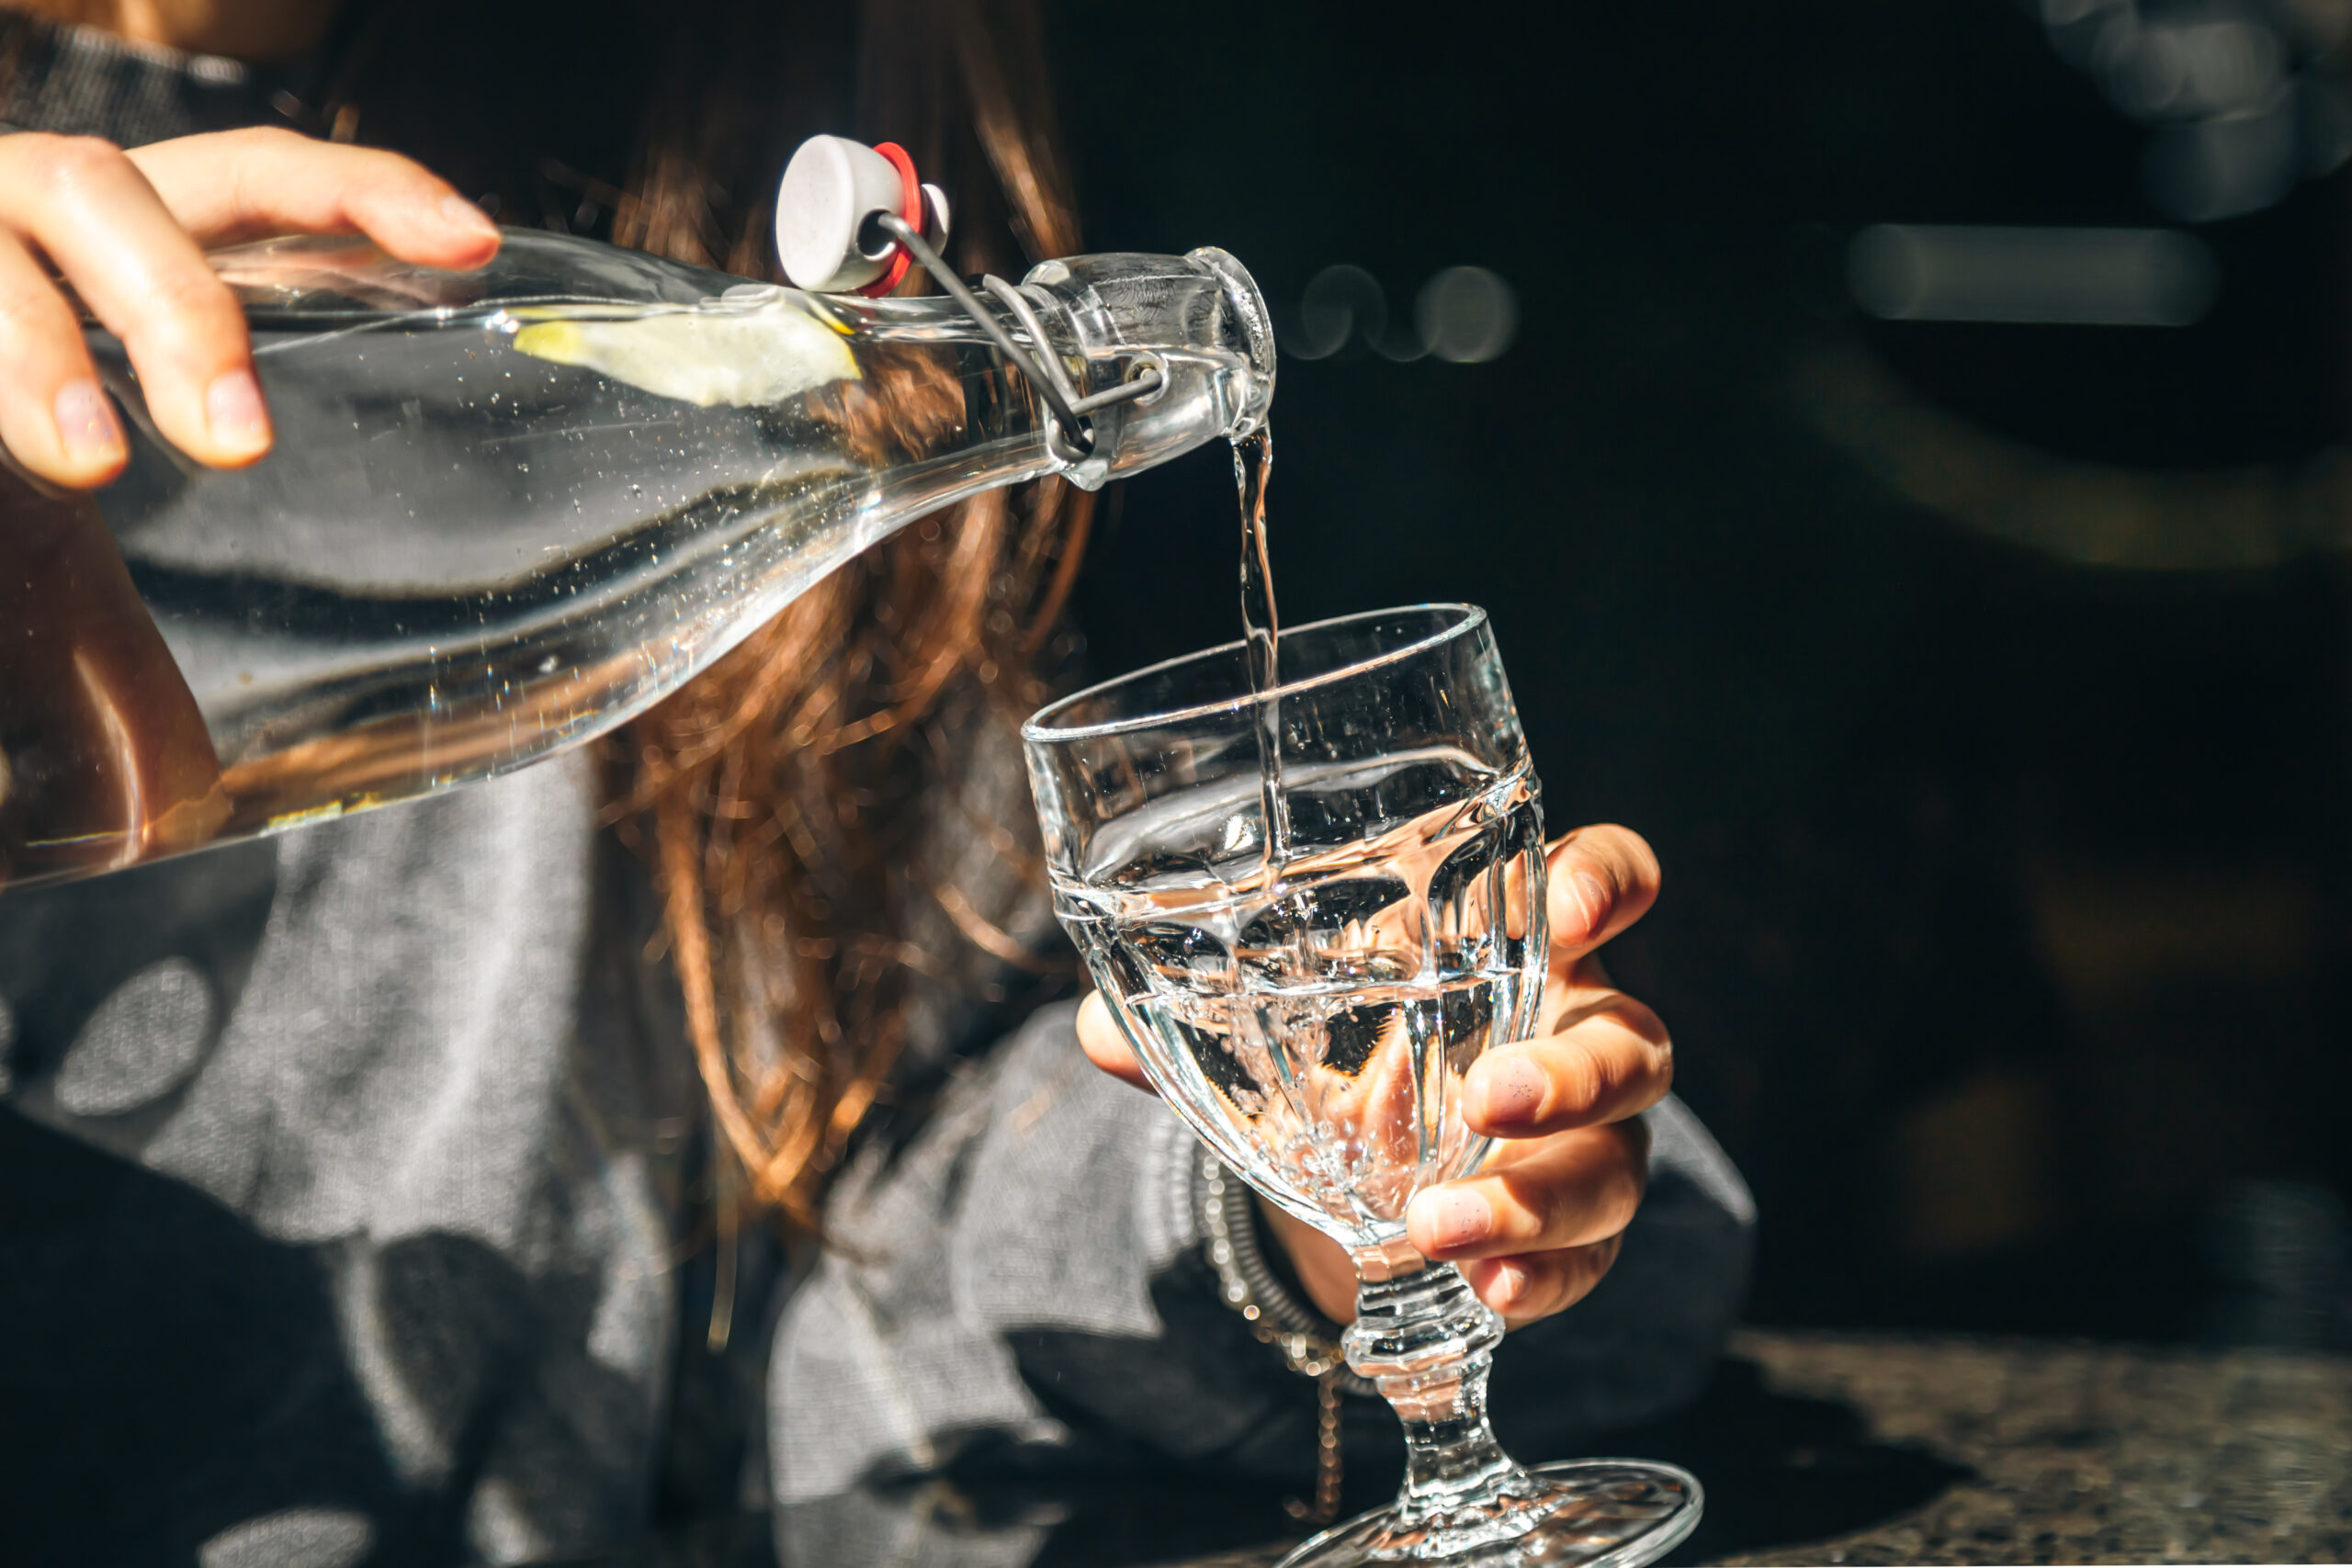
{"x":910,"y":209}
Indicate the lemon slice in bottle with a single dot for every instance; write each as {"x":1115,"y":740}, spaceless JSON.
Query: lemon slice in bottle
{"x":745,"y":358}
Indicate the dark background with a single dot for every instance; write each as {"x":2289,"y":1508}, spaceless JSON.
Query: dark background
{"x":2006,"y":901}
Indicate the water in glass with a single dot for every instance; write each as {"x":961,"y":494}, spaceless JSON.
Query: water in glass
{"x":1317,"y":1014}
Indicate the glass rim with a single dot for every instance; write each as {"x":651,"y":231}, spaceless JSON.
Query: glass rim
{"x":1040,"y":730}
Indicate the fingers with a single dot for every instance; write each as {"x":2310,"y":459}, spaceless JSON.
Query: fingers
{"x":53,"y":415}
{"x":1537,"y":1235}
{"x":1610,"y":1059}
{"x":1105,"y":1047}
{"x":1540,"y":1227}
{"x":243,"y":185}
{"x":83,"y":203}
{"x":1602,"y":880}
{"x":1571,"y":1191}
{"x":131,"y":247}
{"x":1525,"y":1289}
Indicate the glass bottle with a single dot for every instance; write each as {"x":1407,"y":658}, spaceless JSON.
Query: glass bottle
{"x":509,"y":509}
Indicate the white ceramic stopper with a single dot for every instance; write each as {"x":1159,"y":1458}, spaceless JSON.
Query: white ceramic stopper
{"x":830,"y":188}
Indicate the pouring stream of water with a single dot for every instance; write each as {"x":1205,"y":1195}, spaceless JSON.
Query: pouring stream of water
{"x":1253,"y":464}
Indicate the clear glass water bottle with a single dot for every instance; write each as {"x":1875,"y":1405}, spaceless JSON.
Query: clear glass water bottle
{"x":509,"y":509}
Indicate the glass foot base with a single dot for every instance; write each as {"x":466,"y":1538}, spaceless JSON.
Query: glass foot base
{"x":1585,"y":1513}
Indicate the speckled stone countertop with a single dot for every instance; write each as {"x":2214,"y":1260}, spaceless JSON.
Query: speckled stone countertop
{"x":1903,"y":1449}
{"x":2074,"y":1453}
{"x":1813,"y":1448}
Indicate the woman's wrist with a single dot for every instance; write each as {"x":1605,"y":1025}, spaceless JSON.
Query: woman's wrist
{"x":1254,"y":1273}
{"x":1321,"y":1264}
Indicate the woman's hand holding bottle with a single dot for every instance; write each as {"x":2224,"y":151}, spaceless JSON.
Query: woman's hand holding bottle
{"x":1538,"y":1225}
{"x":127,"y":230}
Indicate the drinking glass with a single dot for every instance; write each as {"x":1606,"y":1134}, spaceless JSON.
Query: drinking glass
{"x":1312,"y":1015}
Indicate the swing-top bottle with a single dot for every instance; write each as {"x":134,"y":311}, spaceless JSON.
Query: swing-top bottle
{"x":508,"y":509}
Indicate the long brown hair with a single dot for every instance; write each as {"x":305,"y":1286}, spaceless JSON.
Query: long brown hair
{"x":786,"y":788}
{"x":783,"y":796}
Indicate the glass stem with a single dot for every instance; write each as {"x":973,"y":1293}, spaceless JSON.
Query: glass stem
{"x":1426,"y":1340}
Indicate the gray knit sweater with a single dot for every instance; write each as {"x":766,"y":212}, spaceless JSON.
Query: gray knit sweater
{"x":344,"y":1175}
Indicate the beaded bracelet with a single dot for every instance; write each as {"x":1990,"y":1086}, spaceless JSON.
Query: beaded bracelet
{"x":1308,"y":1341}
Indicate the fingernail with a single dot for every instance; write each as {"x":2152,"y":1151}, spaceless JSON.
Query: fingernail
{"x":1456,"y":1217}
{"x":234,"y":411}
{"x":1511,"y":1090}
{"x":464,"y":214}
{"x":1505,"y":1285}
{"x":1592,"y":899}
{"x":85,"y":423}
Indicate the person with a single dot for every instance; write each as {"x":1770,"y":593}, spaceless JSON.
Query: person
{"x":688,"y":1121}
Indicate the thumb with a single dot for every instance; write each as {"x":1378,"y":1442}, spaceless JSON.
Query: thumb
{"x":1105,"y":1047}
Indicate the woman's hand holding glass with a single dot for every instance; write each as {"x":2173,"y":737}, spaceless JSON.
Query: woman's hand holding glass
{"x":127,"y":230}
{"x":1539,"y":1224}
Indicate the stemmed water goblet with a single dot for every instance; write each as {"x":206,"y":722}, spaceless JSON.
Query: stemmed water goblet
{"x":1312,"y":1013}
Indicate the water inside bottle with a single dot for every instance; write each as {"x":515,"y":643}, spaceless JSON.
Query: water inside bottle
{"x":553,"y":513}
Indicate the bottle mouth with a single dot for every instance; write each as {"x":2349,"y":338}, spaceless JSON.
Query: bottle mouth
{"x":1198,"y":321}
{"x":1252,"y":330}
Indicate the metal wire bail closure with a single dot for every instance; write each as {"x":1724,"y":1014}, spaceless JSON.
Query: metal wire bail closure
{"x":1069,"y":434}
{"x":819,"y":254}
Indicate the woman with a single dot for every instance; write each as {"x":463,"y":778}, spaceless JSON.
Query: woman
{"x":350,"y":1174}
